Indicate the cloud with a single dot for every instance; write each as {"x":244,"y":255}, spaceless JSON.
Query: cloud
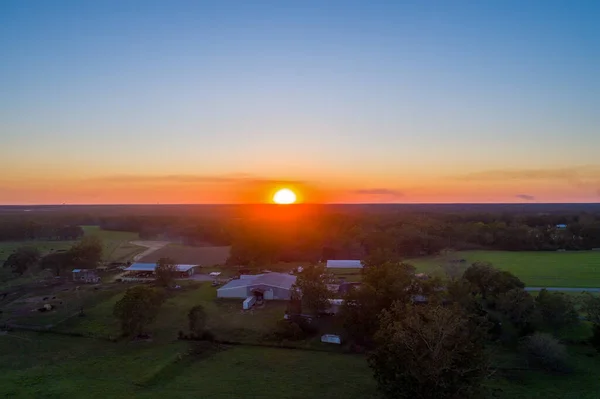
{"x":525,"y":197}
{"x":581,"y":176}
{"x":237,"y":178}
{"x":380,"y":191}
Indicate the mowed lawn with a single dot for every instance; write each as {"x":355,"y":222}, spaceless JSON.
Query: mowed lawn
{"x":536,"y":269}
{"x":49,"y":366}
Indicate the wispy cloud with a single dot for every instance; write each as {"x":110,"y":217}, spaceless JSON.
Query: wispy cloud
{"x":525,"y":197}
{"x":580,"y":176}
{"x":380,"y":191}
{"x":238,"y":178}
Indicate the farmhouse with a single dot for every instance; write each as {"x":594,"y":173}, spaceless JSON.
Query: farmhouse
{"x":267,"y":286}
{"x":149,"y":268}
{"x":344,"y":264}
{"x":85,"y":276}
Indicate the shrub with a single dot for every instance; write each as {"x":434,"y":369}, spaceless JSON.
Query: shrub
{"x":595,"y":339}
{"x":544,"y":351}
{"x":288,"y":330}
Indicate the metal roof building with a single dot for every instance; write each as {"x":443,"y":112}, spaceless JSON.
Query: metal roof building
{"x":150,"y":267}
{"x":269,"y":285}
{"x":344,"y":264}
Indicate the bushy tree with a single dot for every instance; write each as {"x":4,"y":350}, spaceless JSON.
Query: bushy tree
{"x":360,"y":314}
{"x":428,"y":352}
{"x":58,"y":262}
{"x":138,"y":308}
{"x":591,"y":307}
{"x":22,"y":260}
{"x":489,"y":281}
{"x":166,"y":268}
{"x":519,"y":307}
{"x":197,"y":319}
{"x":545,"y":351}
{"x":311,"y":288}
{"x":382,"y":286}
{"x":556,"y":309}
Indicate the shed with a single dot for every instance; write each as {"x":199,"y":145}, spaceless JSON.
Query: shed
{"x":344,"y":264}
{"x":331,"y":339}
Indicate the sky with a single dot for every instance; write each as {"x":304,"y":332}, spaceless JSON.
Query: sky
{"x":342,"y":101}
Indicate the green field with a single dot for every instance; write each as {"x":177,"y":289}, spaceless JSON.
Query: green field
{"x":225,"y":317}
{"x":536,"y":269}
{"x":46,"y":366}
{"x":116,"y":245}
{"x":204,"y":256}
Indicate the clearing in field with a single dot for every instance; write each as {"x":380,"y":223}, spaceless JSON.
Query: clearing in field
{"x":537,"y":269}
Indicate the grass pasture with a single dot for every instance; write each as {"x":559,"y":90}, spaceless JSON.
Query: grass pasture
{"x":46,"y":366}
{"x":225,"y":317}
{"x":204,"y":256}
{"x":537,"y":269}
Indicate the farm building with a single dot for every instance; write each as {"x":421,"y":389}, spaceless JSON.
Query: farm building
{"x":85,"y":276}
{"x":268,"y":286}
{"x":344,"y":264}
{"x":148,"y":268}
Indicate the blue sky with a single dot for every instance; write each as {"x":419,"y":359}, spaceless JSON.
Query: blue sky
{"x":344,"y":97}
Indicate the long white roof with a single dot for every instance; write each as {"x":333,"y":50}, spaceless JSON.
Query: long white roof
{"x":279,"y":280}
{"x":344,"y":264}
{"x":150,"y":267}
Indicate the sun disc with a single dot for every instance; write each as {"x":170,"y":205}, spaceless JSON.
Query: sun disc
{"x":284,"y":196}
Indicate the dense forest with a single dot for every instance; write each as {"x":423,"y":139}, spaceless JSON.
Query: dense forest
{"x":268,"y":233}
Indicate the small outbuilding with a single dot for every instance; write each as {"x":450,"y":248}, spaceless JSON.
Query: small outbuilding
{"x":344,"y":264}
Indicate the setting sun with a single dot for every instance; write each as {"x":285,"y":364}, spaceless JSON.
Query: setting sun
{"x":284,"y":196}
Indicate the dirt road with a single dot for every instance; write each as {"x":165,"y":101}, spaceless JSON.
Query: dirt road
{"x":151,"y":245}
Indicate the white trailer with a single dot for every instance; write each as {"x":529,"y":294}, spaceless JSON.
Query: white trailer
{"x":331,"y":339}
{"x":249,"y":302}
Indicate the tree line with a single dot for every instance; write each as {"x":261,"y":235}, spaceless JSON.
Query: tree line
{"x":85,"y":254}
{"x":263,"y":234}
{"x":21,"y":230}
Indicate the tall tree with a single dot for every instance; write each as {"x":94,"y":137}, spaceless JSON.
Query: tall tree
{"x":87,"y":253}
{"x":197,"y":320}
{"x":23,"y":259}
{"x":138,"y":308}
{"x":58,"y":262}
{"x":312,"y":289}
{"x":166,"y":268}
{"x":428,"y":352}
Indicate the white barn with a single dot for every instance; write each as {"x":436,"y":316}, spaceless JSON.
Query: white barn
{"x":344,"y":264}
{"x":268,"y":285}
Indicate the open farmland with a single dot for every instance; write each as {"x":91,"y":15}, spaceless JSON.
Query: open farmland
{"x":536,"y":269}
{"x":204,"y":256}
{"x":117,"y":245}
